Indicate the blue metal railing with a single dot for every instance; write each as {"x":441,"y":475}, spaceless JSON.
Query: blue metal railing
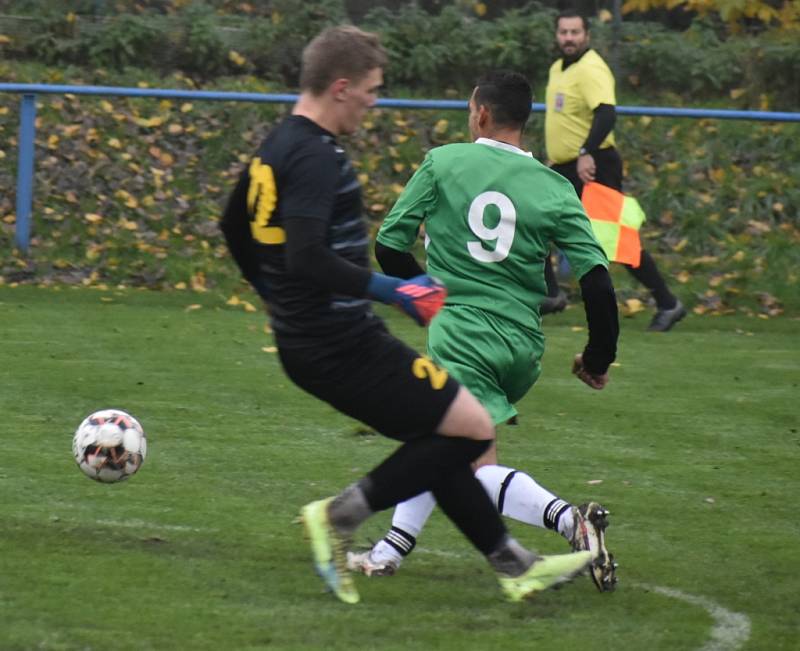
{"x":27,"y":128}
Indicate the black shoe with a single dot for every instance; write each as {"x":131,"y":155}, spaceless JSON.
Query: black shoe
{"x":663,"y":320}
{"x":553,"y":304}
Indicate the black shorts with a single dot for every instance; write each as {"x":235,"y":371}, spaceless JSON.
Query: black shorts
{"x":377,"y":379}
{"x":608,"y":170}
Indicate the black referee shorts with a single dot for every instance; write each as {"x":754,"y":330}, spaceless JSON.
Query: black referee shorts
{"x":377,"y":379}
{"x":608,"y":170}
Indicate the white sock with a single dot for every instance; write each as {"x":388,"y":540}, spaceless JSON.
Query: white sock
{"x":518,"y":496}
{"x":407,"y":522}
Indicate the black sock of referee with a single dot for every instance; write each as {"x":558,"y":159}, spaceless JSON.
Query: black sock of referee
{"x":550,"y":277}
{"x":647,"y":273}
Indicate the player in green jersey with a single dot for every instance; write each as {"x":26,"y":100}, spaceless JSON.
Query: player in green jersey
{"x":490,"y":212}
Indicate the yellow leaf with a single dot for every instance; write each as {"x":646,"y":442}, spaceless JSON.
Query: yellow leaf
{"x":4,"y":40}
{"x":93,"y":218}
{"x":115,"y":143}
{"x":198,"y":281}
{"x":736,"y":93}
{"x":269,"y":349}
{"x":680,"y":246}
{"x":192,"y":307}
{"x":683,"y":277}
{"x":233,"y":300}
{"x":645,"y":120}
{"x":180,"y":285}
{"x":705,"y":259}
{"x":441,"y":127}
{"x":175,"y":129}
{"x":236,"y":58}
{"x":480,"y":9}
{"x":577,"y":328}
{"x":151,"y":122}
{"x":249,"y":307}
{"x":717,"y":174}
{"x":107,"y":106}
{"x":632,"y":306}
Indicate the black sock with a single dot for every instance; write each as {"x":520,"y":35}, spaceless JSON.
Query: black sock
{"x":416,"y":466}
{"x":647,"y":273}
{"x":465,"y":501}
{"x":550,"y":278}
{"x":440,"y":464}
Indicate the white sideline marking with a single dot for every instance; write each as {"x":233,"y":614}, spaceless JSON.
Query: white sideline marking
{"x":730,"y":631}
{"x":141,"y":524}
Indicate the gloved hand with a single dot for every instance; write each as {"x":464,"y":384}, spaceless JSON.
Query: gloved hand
{"x":420,"y":297}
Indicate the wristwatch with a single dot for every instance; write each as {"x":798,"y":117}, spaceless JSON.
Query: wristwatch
{"x":582,"y":151}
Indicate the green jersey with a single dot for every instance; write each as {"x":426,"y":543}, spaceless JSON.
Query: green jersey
{"x":490,"y":212}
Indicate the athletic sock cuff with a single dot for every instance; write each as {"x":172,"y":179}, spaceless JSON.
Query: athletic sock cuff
{"x":553,"y":512}
{"x":400,"y":540}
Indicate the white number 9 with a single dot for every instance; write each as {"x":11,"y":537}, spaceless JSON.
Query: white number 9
{"x":503,"y":233}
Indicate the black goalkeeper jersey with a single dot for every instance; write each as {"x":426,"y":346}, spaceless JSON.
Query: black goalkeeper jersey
{"x":299,"y":171}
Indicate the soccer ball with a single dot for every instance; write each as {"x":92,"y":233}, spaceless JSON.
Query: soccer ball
{"x":109,"y":445}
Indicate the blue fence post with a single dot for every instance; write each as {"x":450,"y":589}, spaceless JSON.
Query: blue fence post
{"x":27,"y":136}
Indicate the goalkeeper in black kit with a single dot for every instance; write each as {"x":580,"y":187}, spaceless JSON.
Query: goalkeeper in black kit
{"x":295,"y":227}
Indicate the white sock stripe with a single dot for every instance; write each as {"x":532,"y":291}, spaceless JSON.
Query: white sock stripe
{"x":553,"y":511}
{"x":401,"y":540}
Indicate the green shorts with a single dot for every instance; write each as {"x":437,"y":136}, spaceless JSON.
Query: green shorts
{"x":496,"y":359}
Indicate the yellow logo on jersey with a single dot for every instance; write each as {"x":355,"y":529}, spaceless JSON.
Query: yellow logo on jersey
{"x":423,"y":368}
{"x":262,"y":196}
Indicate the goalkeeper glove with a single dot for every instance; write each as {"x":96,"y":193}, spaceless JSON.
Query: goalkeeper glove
{"x":420,"y":297}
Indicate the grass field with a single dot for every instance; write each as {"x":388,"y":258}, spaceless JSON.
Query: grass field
{"x":694,"y":447}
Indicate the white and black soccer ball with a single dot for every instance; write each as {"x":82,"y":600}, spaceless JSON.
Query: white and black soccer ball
{"x":109,"y":445}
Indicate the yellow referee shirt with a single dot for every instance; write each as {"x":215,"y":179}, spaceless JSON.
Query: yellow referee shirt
{"x":572,"y":96}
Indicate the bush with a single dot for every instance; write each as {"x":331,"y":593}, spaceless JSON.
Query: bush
{"x":274,"y":45}
{"x":129,"y":40}
{"x":201,"y":51}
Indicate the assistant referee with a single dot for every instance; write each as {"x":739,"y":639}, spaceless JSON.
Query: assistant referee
{"x":579,"y":121}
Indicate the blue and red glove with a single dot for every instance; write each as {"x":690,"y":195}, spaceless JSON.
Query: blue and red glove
{"x":420,"y":297}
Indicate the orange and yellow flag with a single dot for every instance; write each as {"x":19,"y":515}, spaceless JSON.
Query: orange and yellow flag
{"x":616,"y":219}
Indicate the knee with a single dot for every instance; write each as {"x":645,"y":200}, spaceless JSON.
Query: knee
{"x":484,"y":425}
{"x":467,"y":418}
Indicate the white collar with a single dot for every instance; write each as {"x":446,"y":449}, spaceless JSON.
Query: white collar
{"x":503,"y":145}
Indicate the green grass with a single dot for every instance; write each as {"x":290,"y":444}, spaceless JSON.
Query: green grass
{"x":695,"y":443}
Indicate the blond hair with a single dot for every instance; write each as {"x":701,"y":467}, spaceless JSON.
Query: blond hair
{"x":339,"y":52}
